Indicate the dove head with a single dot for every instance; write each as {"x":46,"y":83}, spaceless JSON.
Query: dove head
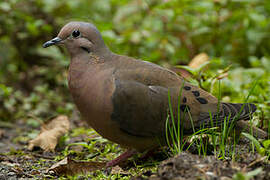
{"x":80,"y":38}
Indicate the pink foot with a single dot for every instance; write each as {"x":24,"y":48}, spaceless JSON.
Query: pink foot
{"x":121,"y":158}
{"x":148,"y":154}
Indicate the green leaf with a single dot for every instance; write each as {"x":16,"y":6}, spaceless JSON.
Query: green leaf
{"x":254,"y":172}
{"x":189,"y":69}
{"x":257,"y":144}
{"x":266,"y":144}
{"x":239,"y":176}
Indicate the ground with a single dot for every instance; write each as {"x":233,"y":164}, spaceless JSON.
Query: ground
{"x":16,"y":161}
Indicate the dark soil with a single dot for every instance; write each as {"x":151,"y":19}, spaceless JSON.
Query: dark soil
{"x":17,"y":162}
{"x":189,"y":166}
{"x":192,"y":166}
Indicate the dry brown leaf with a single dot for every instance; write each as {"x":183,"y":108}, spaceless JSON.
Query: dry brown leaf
{"x":71,"y":167}
{"x":50,"y":133}
{"x":118,"y":170}
{"x":198,"y":60}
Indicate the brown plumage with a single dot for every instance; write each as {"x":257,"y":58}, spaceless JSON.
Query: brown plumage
{"x":125,"y":99}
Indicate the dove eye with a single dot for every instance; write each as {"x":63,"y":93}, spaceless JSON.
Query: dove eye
{"x":76,"y":33}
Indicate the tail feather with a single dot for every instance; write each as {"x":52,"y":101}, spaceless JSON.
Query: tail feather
{"x":239,"y":111}
{"x":229,"y":111}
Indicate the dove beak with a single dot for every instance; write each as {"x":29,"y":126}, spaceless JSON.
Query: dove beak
{"x":52,"y":42}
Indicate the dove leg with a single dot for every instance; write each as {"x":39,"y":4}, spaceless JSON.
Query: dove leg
{"x":121,"y":158}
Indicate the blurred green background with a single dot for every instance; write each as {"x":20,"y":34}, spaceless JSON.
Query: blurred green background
{"x":33,"y":80}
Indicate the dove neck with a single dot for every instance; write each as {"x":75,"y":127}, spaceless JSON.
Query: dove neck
{"x":98,"y":56}
{"x":88,"y":62}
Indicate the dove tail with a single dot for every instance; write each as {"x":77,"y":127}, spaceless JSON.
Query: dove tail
{"x":229,"y":111}
{"x":241,"y":111}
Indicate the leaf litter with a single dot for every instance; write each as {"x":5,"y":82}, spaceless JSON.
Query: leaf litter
{"x":71,"y":167}
{"x":50,"y":132}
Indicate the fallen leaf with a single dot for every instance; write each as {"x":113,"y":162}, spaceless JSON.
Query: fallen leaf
{"x":50,"y":132}
{"x":118,"y":170}
{"x":198,"y":60}
{"x":71,"y":167}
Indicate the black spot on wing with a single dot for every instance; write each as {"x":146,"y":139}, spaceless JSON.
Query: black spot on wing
{"x":202,"y":100}
{"x":196,"y":93}
{"x":187,"y":88}
{"x":184,"y":99}
{"x":184,"y":107}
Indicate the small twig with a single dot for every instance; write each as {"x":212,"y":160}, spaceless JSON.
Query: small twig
{"x":257,"y":161}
